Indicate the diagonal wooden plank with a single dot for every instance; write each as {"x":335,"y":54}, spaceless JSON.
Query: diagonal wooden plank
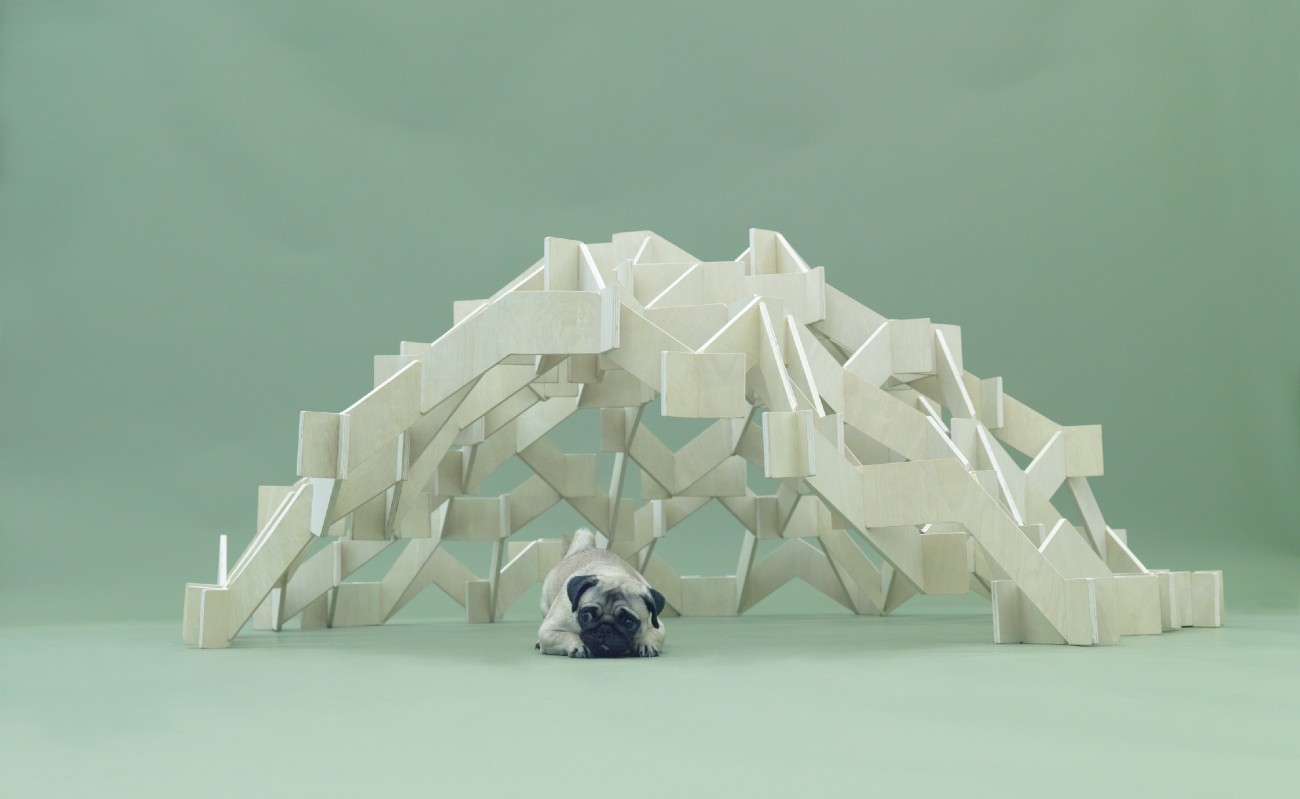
{"x":640,"y":347}
{"x":778,"y":393}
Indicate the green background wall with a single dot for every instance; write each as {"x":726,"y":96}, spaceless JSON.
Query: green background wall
{"x":213,"y":214}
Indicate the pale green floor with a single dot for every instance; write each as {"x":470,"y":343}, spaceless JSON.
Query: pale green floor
{"x":921,"y":704}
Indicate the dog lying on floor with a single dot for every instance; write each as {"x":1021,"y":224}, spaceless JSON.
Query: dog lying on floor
{"x":595,"y":605}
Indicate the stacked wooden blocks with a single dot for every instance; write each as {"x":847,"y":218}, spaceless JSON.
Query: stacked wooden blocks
{"x":891,"y":461}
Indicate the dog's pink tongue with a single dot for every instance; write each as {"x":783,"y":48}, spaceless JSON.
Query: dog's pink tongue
{"x":605,"y":647}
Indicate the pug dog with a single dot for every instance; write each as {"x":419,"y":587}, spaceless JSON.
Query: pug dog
{"x":595,"y":605}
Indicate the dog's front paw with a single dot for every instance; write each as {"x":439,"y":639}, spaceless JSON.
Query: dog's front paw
{"x":647,"y":651}
{"x":578,"y":651}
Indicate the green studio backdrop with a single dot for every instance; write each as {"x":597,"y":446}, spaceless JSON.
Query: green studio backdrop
{"x":213,"y":214}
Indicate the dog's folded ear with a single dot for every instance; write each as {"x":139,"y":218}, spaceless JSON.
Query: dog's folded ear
{"x":576,"y":585}
{"x":654,"y":602}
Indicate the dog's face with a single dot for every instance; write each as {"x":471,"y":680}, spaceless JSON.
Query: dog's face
{"x":611,"y":612}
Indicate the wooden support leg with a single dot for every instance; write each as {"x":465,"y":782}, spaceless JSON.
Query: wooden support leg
{"x":478,"y":602}
{"x":221,"y":612}
{"x":400,"y":583}
{"x":518,"y":575}
{"x":1006,"y":612}
{"x":859,"y":576}
{"x":945,"y":563}
{"x":1171,"y":611}
{"x":899,"y":590}
{"x":494,"y":578}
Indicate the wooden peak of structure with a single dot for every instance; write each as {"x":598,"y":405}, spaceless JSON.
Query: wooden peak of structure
{"x":879,"y":440}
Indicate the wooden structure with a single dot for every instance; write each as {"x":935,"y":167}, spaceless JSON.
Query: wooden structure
{"x":891,"y":462}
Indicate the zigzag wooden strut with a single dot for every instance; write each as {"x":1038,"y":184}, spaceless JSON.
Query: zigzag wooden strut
{"x":879,"y":439}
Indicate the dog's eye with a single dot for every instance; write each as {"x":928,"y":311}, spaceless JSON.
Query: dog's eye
{"x":629,"y":623}
{"x":587,"y":616}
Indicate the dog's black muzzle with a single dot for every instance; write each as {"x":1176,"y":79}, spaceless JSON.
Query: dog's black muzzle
{"x":606,"y":640}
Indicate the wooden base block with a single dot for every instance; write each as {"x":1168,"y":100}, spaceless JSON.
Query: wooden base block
{"x":1206,"y":599}
{"x":1137,"y":597}
{"x":1182,"y":582}
{"x":1034,"y":626}
{"x":358,"y":605}
{"x":207,"y":616}
{"x":317,"y":614}
{"x":1091,"y":615}
{"x":192,"y":613}
{"x":708,"y":596}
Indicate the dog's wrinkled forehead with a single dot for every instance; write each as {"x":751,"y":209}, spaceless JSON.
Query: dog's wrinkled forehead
{"x":601,"y":590}
{"x":610,"y":598}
